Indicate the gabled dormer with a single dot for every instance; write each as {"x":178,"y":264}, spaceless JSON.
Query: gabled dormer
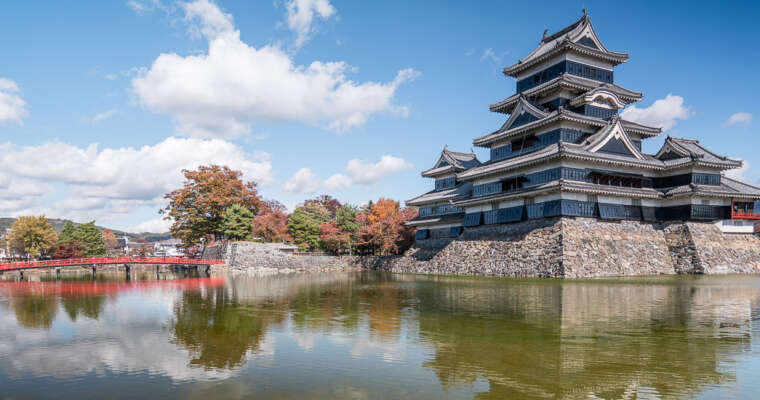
{"x":524,"y":112}
{"x":613,"y":139}
{"x":451,"y":162}
{"x":692,"y":150}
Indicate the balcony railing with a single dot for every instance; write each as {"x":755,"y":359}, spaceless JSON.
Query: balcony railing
{"x":744,"y":215}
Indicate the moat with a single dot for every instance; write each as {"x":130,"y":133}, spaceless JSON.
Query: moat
{"x":379,"y":335}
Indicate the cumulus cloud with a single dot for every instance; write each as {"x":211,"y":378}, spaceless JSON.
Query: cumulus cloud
{"x":113,"y":181}
{"x":663,"y":113}
{"x":303,"y":181}
{"x":301,"y":14}
{"x":12,"y":107}
{"x":357,"y":172}
{"x":739,"y":173}
{"x":222,"y":91}
{"x":156,"y":225}
{"x":740,"y":118}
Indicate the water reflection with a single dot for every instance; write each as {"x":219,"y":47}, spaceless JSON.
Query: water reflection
{"x":383,"y":335}
{"x":217,"y":329}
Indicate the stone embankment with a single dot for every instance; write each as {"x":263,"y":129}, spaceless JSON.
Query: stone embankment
{"x":250,"y":257}
{"x":581,"y":248}
{"x":556,"y":248}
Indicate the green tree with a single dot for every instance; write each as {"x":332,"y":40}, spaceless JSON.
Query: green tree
{"x":304,"y":225}
{"x":237,"y":222}
{"x":91,"y":238}
{"x":346,"y":218}
{"x":67,"y":234}
{"x":33,"y":236}
{"x":198,"y":208}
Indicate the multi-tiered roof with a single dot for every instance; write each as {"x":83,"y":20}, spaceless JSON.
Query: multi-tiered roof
{"x":565,"y":134}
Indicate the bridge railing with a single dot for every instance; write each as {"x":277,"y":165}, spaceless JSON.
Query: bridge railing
{"x":108,"y":260}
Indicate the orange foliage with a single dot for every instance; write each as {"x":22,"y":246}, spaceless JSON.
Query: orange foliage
{"x":198,"y":208}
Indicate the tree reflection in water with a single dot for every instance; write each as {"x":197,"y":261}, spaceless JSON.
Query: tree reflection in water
{"x":82,"y":304}
{"x":35,"y":311}
{"x":218,"y":330}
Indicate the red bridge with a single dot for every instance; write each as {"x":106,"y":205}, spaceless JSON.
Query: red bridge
{"x":92,"y":262}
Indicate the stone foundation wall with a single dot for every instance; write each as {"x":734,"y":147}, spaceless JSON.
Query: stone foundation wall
{"x":266,"y":257}
{"x":581,"y":248}
{"x":562,"y":247}
{"x":593,"y":248}
{"x":529,"y":249}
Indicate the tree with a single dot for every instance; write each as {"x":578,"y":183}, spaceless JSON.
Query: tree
{"x":272,"y":226}
{"x":383,"y":228}
{"x":332,"y":205}
{"x":237,"y":222}
{"x":67,"y":234}
{"x":33,"y":236}
{"x":303,"y":225}
{"x":346,"y":218}
{"x":70,"y":249}
{"x":333,"y":238}
{"x":198,"y":208}
{"x":111,"y":242}
{"x":91,"y":238}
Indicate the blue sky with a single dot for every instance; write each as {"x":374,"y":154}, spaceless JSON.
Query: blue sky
{"x":103,"y":103}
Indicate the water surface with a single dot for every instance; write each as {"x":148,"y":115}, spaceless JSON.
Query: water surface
{"x":374,"y":335}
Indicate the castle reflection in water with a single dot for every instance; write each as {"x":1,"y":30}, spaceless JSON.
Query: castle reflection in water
{"x":658,"y":337}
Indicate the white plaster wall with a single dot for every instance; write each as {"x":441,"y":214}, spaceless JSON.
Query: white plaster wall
{"x":511,"y":203}
{"x":614,"y":200}
{"x":574,"y":196}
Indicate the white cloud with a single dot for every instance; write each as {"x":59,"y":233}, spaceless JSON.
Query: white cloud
{"x":367,"y":174}
{"x":358,"y":172}
{"x":740,"y":118}
{"x":112,"y":181}
{"x":221,"y":92}
{"x":12,"y":106}
{"x":104,"y":115}
{"x":143,"y":6}
{"x":489,"y":54}
{"x":739,"y":173}
{"x":663,"y":113}
{"x":157,"y":225}
{"x":301,"y":14}
{"x":303,"y":181}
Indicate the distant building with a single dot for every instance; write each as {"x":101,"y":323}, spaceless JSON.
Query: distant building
{"x":564,"y":150}
{"x":168,"y":248}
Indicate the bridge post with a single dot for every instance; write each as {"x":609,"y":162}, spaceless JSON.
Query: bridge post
{"x":58,"y":274}
{"x":157,"y":270}
{"x":127,"y":268}
{"x":21,"y":274}
{"x":94,"y":271}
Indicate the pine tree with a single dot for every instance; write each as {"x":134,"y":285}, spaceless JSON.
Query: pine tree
{"x":304,"y":225}
{"x":237,"y":222}
{"x":67,"y":234}
{"x":91,"y":238}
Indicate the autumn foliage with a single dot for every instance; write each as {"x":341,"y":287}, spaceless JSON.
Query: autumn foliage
{"x":198,"y":211}
{"x":198,"y":208}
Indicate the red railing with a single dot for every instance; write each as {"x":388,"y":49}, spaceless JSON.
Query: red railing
{"x":744,"y":215}
{"x":107,"y":260}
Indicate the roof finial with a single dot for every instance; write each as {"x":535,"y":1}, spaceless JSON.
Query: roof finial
{"x":544,"y":35}
{"x":472,"y":150}
{"x":585,"y":13}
